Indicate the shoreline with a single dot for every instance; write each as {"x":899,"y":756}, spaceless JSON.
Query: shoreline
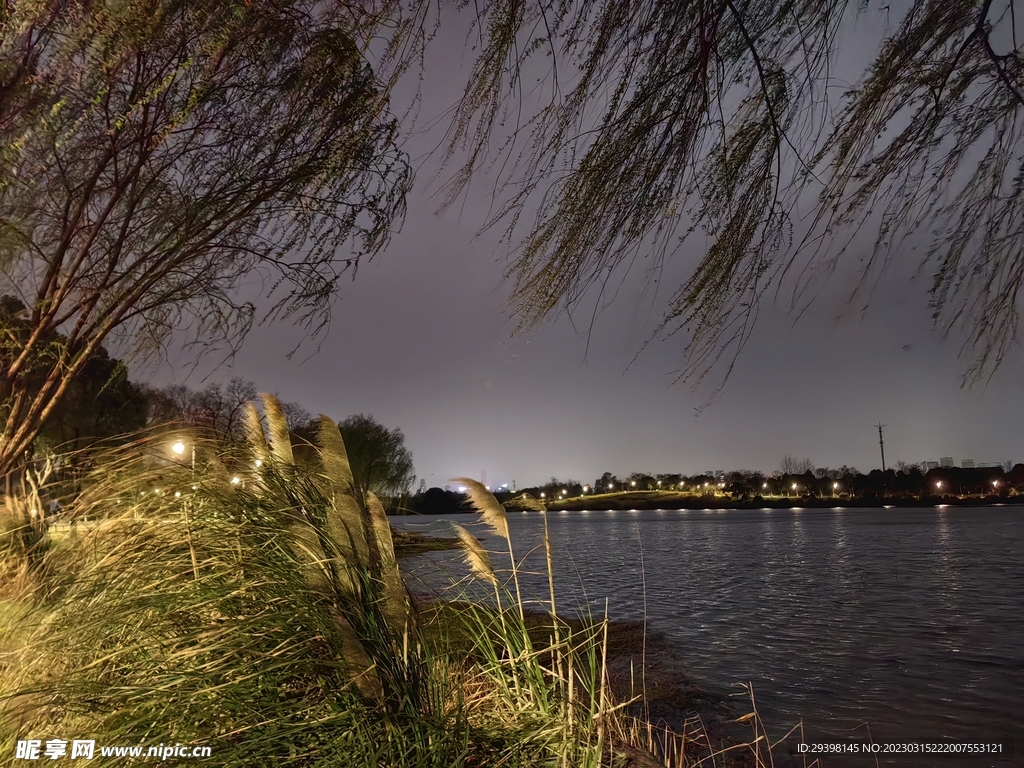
{"x":640,"y":661}
{"x":654,"y":500}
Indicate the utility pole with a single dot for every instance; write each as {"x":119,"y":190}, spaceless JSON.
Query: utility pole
{"x":881,"y":444}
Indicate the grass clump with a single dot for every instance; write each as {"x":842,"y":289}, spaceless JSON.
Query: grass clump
{"x":256,"y":607}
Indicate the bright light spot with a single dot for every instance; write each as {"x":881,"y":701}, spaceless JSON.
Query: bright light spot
{"x":765,"y":485}
{"x":542,"y":495}
{"x":462,"y":489}
{"x":178,"y":448}
{"x":259,"y":462}
{"x":177,"y":494}
{"x":235,"y":481}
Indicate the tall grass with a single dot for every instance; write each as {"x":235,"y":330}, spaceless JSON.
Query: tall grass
{"x":257,"y":607}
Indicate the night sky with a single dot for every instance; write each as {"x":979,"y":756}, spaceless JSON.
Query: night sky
{"x":421,"y":341}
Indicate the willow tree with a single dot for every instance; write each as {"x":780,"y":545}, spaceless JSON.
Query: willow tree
{"x":380,"y":461}
{"x":162,"y":162}
{"x":659,"y":121}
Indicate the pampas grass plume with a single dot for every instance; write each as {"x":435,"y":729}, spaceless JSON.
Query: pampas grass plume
{"x":277,"y":422}
{"x":476,"y":555}
{"x":491,"y":511}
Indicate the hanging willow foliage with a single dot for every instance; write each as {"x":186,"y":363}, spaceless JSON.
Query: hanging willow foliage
{"x":715,"y":118}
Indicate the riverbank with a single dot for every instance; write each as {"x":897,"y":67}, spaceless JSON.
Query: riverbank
{"x":642,"y":666}
{"x":651,"y":500}
{"x":409,"y":543}
{"x":645,"y":673}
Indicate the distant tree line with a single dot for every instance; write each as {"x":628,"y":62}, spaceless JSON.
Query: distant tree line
{"x":104,"y":407}
{"x":803,"y":480}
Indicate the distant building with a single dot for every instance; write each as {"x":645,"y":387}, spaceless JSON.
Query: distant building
{"x":709,"y":472}
{"x":990,"y":464}
{"x":967,"y":464}
{"x":930,"y":465}
{"x":947,"y":461}
{"x":720,"y":474}
{"x":423,"y":484}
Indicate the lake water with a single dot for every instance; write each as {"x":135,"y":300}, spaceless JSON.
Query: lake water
{"x":908,"y":620}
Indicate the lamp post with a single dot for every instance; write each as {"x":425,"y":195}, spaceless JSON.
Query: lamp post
{"x":179,"y":449}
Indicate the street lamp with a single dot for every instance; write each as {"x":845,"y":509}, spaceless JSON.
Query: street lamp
{"x":179,"y":449}
{"x":542,"y":495}
{"x":794,"y":487}
{"x":938,"y":485}
{"x":835,"y":487}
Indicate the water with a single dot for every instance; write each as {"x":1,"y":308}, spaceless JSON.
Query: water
{"x":908,"y":620}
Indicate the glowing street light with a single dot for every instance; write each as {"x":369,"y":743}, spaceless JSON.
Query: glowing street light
{"x":179,"y":449}
{"x":835,"y":487}
{"x":542,"y":495}
{"x":633,"y":483}
{"x":611,"y":486}
{"x":938,"y":484}
{"x":235,"y":480}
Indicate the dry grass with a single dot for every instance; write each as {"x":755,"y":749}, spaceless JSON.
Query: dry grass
{"x":267,"y":619}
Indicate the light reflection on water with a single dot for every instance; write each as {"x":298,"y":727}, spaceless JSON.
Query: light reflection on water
{"x":911,"y":620}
